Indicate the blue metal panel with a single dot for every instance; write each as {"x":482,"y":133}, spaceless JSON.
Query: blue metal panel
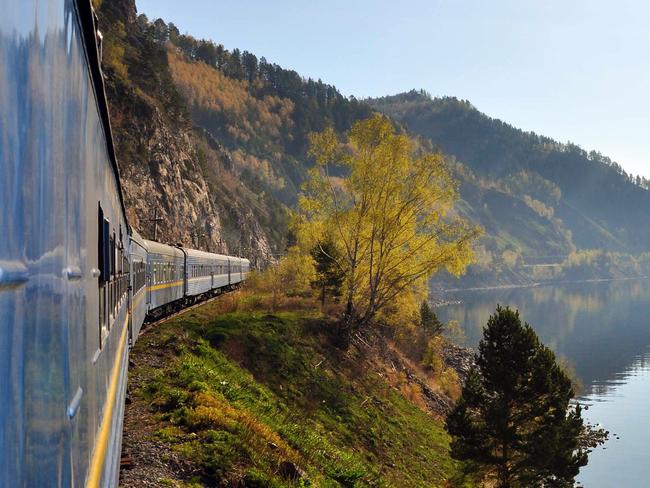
{"x":54,"y":166}
{"x":62,"y":372}
{"x":164,"y":287}
{"x":138,"y":302}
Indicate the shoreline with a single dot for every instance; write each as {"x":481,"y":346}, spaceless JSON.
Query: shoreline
{"x":540,"y":283}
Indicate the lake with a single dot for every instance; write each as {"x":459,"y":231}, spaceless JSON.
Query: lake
{"x":603,"y":330}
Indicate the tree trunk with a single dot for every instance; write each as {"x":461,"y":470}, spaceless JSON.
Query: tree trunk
{"x":504,"y":472}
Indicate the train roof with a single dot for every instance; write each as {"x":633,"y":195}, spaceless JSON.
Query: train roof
{"x":135,"y":236}
{"x":160,"y":248}
{"x":205,"y":255}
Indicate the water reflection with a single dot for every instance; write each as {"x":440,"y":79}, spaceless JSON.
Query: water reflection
{"x":599,"y":327}
{"x":621,"y":405}
{"x":603,"y":329}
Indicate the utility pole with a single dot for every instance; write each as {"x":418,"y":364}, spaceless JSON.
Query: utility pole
{"x":155,"y":221}
{"x":197,"y":235}
{"x":198,"y":231}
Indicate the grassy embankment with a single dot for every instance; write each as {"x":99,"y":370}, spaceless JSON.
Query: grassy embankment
{"x":231,"y":395}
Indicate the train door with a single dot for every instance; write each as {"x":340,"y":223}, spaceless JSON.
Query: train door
{"x":149,"y":283}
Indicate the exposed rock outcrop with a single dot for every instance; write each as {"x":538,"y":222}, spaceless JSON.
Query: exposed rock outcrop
{"x":179,"y":187}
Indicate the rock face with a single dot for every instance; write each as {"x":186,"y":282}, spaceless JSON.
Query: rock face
{"x":169,"y":169}
{"x":170,"y":184}
{"x":460,"y":359}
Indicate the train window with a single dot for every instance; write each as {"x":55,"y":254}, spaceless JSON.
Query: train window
{"x":103,"y":247}
{"x":112,"y":255}
{"x":104,"y":267}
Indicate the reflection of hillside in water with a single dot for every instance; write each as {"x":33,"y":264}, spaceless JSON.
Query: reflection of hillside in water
{"x":599,"y":327}
{"x":601,"y":390}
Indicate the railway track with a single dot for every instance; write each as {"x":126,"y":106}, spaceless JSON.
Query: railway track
{"x":147,"y":325}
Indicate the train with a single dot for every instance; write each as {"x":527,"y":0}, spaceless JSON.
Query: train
{"x":77,"y":282}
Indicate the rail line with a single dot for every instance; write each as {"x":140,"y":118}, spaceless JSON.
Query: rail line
{"x":147,"y":325}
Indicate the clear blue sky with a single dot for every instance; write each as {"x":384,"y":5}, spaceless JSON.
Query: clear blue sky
{"x":575,"y":70}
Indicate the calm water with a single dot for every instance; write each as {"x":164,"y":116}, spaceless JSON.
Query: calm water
{"x":603,"y":330}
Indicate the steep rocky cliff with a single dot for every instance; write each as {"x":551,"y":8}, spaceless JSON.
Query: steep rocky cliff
{"x":170,"y":169}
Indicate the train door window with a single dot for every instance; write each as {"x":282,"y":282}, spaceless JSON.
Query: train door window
{"x":104,"y":267}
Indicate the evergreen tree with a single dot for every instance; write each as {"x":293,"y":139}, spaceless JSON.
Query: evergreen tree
{"x":514,"y":421}
{"x":429,"y":321}
{"x":329,"y":274}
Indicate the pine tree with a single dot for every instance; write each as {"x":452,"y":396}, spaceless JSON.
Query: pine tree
{"x":514,"y":421}
{"x":329,"y":275}
{"x":429,"y":321}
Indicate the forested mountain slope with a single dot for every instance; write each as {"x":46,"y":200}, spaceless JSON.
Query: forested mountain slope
{"x":217,"y":140}
{"x":596,"y":200}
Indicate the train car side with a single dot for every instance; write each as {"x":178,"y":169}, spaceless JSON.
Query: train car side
{"x":76,"y":283}
{"x":138,"y":292}
{"x":165,"y":277}
{"x":63,"y":299}
{"x":205,"y":272}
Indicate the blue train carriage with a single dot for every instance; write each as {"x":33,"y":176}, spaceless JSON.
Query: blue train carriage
{"x":245,"y":268}
{"x":138,"y":292}
{"x":239,"y":270}
{"x":206,"y":273}
{"x":165,"y":278}
{"x":63,"y":272}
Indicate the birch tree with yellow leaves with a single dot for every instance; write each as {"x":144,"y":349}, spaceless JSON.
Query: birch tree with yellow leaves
{"x":389,"y":212}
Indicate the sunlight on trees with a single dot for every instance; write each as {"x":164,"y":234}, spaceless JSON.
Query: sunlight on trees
{"x":388,"y":213}
{"x":515,"y":424}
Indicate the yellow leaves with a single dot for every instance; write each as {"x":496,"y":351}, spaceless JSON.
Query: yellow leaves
{"x":295,"y":271}
{"x":245,"y":116}
{"x":324,"y":147}
{"x":389,"y":215}
{"x":258,"y":166}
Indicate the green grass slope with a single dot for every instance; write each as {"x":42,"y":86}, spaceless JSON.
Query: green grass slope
{"x":236,"y":399}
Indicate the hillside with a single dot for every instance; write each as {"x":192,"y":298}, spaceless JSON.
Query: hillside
{"x":218,"y":149}
{"x":262,"y":399}
{"x":168,"y":164}
{"x":216,"y":142}
{"x":601,"y":205}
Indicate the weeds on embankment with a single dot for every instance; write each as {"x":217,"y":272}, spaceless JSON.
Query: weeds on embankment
{"x":255,"y":399}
